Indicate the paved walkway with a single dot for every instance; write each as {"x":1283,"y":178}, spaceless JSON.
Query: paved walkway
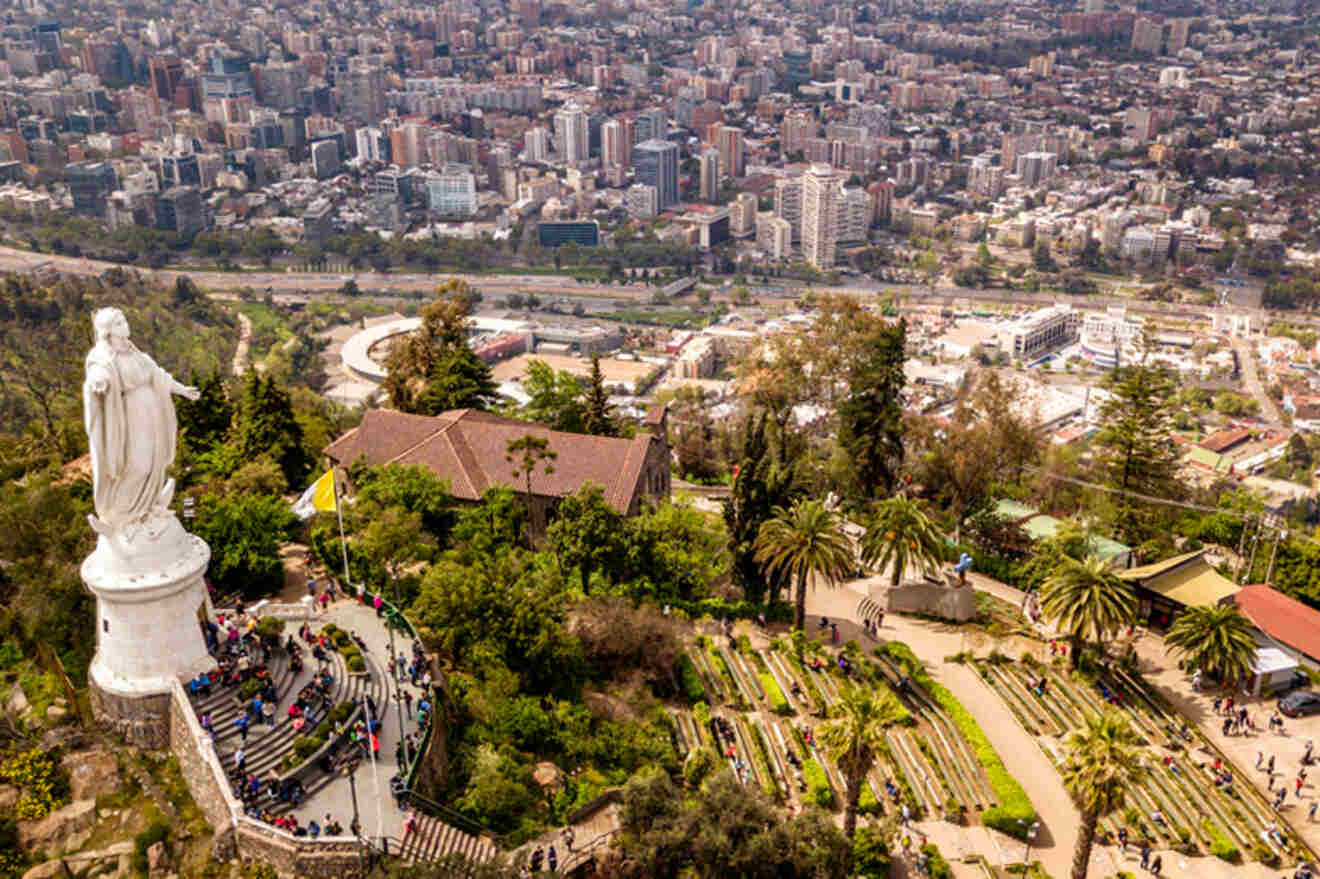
{"x":377,"y":810}
{"x":1022,"y":756}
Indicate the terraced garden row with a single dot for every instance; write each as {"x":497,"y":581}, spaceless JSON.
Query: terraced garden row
{"x":767,"y":695}
{"x":1226,"y":820}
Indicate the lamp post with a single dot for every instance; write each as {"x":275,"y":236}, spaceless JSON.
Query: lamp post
{"x":1031,"y":835}
{"x":392,"y":619}
{"x":356,"y":825}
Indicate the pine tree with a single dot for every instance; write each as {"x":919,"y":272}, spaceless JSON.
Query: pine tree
{"x":871,"y":417}
{"x":599,"y":417}
{"x":268,"y":428}
{"x":1134,"y":448}
{"x":204,"y":422}
{"x":434,"y":369}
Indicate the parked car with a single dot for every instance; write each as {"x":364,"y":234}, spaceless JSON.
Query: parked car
{"x":1300,"y":703}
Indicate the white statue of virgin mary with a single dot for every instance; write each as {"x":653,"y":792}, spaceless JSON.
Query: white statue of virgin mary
{"x":131,"y":428}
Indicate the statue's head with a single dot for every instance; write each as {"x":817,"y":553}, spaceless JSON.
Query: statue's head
{"x":108,"y":323}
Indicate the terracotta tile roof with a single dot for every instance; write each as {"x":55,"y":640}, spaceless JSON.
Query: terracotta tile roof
{"x":1225,"y":439}
{"x":467,"y":448}
{"x":1282,"y":618}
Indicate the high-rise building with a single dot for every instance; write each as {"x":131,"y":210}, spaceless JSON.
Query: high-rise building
{"x":166,"y":73}
{"x":325,"y":158}
{"x":1147,"y":36}
{"x":854,"y":215}
{"x":642,"y":201}
{"x":617,"y":143}
{"x":774,"y":235}
{"x":709,"y":189}
{"x":571,"y":134}
{"x":730,"y":143}
{"x":453,"y":192}
{"x":372,"y":144}
{"x":798,"y":127}
{"x":90,"y":183}
{"x":536,"y":144}
{"x":1036,"y":167}
{"x":788,"y":204}
{"x":656,"y":164}
{"x":179,"y":210}
{"x":742,"y":219}
{"x":180,"y":168}
{"x":1179,"y":30}
{"x":820,"y":215}
{"x":650,"y":124}
{"x":362,"y":95}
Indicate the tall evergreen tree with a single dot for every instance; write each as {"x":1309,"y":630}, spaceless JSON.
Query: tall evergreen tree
{"x":1133,"y":446}
{"x":871,"y":417}
{"x":598,"y":419}
{"x":205,"y":421}
{"x":434,"y":368}
{"x":267,"y":427}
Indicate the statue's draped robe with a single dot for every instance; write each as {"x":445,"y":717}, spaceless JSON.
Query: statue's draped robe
{"x":131,"y":431}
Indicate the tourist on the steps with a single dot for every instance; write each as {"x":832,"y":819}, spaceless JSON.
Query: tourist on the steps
{"x":552,"y":859}
{"x":568,"y":838}
{"x":538,"y":857}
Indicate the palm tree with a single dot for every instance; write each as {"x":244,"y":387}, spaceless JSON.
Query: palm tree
{"x":1103,"y":762}
{"x":853,"y":736}
{"x":1216,"y":640}
{"x":1087,"y":601}
{"x":901,"y":536}
{"x":802,"y":541}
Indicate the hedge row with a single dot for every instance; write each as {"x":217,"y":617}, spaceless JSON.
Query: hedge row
{"x":689,"y":681}
{"x":818,"y":785}
{"x":718,"y":608}
{"x":778,"y":702}
{"x":1220,"y":846}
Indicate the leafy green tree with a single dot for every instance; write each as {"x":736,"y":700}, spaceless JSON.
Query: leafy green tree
{"x":1087,"y":602}
{"x":723,"y":829}
{"x":900,"y":537}
{"x":1103,"y":763}
{"x":1217,"y":640}
{"x":1133,"y":447}
{"x":505,"y":608}
{"x":871,"y":417}
{"x":244,"y":533}
{"x":763,"y":482}
{"x":853,"y":737}
{"x":1041,"y":257}
{"x":498,"y":791}
{"x":674,"y":551}
{"x":525,"y":454}
{"x":556,"y":398}
{"x":206,"y":421}
{"x":870,"y":853}
{"x":266,"y":426}
{"x":802,"y":542}
{"x":434,"y":369}
{"x":393,"y":539}
{"x":598,"y":419}
{"x":414,"y":488}
{"x":492,"y":527}
{"x":587,"y":533}
{"x":984,"y":258}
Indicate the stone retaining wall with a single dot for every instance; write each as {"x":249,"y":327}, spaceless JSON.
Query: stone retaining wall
{"x":933,"y":599}
{"x":200,"y":767}
{"x":144,"y":721}
{"x":291,"y":855}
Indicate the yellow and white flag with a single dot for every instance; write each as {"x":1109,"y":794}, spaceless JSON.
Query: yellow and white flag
{"x":318,"y":498}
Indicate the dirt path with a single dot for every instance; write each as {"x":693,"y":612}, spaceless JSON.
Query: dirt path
{"x":244,"y":340}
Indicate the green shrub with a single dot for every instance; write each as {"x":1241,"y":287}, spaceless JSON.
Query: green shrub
{"x":356,"y":663}
{"x":718,"y":608}
{"x":158,"y":831}
{"x":1266,"y":855}
{"x":700,"y":764}
{"x":689,"y":681}
{"x":867,"y":804}
{"x":341,"y":712}
{"x":775,"y":696}
{"x":10,"y":655}
{"x":248,"y":689}
{"x":870,"y":853}
{"x":323,"y":730}
{"x":818,"y":785}
{"x":306,"y":746}
{"x":1220,"y":846}
{"x":270,"y":628}
{"x":937,"y":867}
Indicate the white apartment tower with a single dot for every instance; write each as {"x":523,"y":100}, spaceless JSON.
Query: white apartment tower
{"x":571,"y":134}
{"x":820,"y":215}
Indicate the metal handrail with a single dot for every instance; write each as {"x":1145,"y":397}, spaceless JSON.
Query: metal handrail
{"x":446,"y":814}
{"x":581,"y":855}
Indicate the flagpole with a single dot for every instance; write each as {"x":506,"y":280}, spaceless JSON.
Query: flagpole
{"x":339,"y":512}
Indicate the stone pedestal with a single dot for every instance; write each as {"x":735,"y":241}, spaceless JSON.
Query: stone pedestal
{"x":148,"y":587}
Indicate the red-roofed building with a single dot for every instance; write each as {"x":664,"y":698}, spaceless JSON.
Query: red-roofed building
{"x":467,"y":448}
{"x":1293,"y":625}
